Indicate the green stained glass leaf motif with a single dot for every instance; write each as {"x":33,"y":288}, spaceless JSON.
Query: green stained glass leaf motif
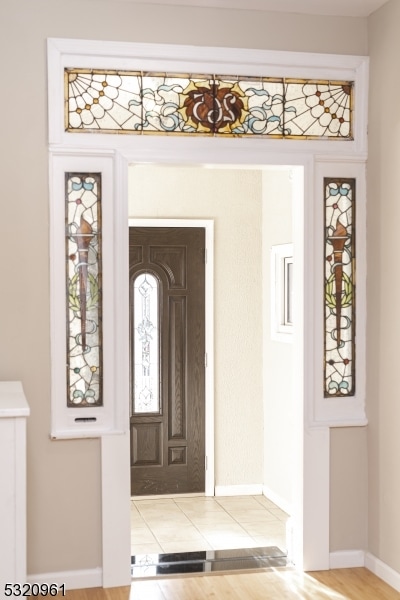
{"x":83,"y":289}
{"x":339,"y":359}
{"x":169,"y":103}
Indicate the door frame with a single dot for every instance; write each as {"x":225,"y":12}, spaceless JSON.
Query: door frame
{"x":111,"y":155}
{"x":208,"y":225}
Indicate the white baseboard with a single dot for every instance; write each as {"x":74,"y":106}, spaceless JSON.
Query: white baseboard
{"x":382,"y":570}
{"x":276,"y":499}
{"x":72,"y":580}
{"x":346,"y":559}
{"x":254,"y":489}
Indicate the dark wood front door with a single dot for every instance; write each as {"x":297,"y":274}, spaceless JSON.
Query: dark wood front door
{"x":167,"y":349}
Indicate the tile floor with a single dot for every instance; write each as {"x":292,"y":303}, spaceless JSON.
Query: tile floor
{"x":187,"y":524}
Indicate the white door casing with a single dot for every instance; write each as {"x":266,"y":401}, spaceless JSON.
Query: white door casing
{"x":111,"y":155}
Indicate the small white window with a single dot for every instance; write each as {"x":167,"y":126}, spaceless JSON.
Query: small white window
{"x":282,"y":292}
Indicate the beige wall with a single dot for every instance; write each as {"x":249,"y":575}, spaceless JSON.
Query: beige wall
{"x":232,"y":198}
{"x":278,"y":355}
{"x":384,"y":287}
{"x":64,"y":477}
{"x":349,"y":489}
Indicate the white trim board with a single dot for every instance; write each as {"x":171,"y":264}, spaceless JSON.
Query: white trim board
{"x":382,"y":570}
{"x":346,"y":559}
{"x":208,"y":225}
{"x":73,"y":580}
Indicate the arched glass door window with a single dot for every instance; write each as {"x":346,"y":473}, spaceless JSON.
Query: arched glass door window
{"x":146,"y":344}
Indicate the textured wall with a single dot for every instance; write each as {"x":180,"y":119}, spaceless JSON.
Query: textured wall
{"x":277,"y":359}
{"x":232,"y":198}
{"x":384,"y":288}
{"x":64,"y":530}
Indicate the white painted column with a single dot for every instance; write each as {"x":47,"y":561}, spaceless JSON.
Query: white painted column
{"x":14,"y":410}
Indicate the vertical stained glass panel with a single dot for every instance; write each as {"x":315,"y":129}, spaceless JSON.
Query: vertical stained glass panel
{"x":84,"y":297}
{"x":146,"y":370}
{"x":339,"y":287}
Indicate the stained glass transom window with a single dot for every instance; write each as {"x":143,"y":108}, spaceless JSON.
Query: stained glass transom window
{"x":339,"y":287}
{"x":146,"y":371}
{"x":136,"y":102}
{"x":84,"y":297}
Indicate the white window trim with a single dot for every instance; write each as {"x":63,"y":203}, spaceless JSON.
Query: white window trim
{"x":281,"y":256}
{"x":311,"y":468}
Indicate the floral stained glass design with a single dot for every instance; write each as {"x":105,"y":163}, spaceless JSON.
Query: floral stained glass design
{"x":146,"y":371}
{"x":339,"y":287}
{"x":84,"y":296}
{"x":162,"y":103}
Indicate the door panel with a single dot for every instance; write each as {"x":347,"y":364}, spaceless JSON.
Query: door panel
{"x":168,"y":445}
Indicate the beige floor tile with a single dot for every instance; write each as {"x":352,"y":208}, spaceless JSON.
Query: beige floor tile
{"x":160,"y":512}
{"x":168,"y":522}
{"x":213,"y":519}
{"x":264,"y":501}
{"x":252,"y":516}
{"x":193,"y":546}
{"x":238,"y":502}
{"x":282,"y":516}
{"x":153,"y":548}
{"x":265,"y":529}
{"x":185,"y":533}
{"x":137,"y":521}
{"x":200,"y":506}
{"x":186,"y":523}
{"x":154,"y":502}
{"x":219,"y":529}
{"x":202,"y":511}
{"x":227,"y":544}
{"x":198,"y":499}
{"x":142,"y":536}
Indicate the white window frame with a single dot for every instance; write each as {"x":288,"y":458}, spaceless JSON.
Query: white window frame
{"x":281,"y":257}
{"x":317,"y":158}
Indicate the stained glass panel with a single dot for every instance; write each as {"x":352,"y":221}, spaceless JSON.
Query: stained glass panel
{"x":146,"y":371}
{"x":84,"y":296}
{"x":250,"y":106}
{"x":135,"y":102}
{"x":318,"y":109}
{"x":339,"y":287}
{"x":103,"y":100}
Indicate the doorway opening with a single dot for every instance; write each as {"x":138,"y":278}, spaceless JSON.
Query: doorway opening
{"x":255,"y":423}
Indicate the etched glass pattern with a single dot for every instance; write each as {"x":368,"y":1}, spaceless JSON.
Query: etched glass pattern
{"x":339,"y":287}
{"x":162,"y":103}
{"x":146,"y":344}
{"x":84,"y":297}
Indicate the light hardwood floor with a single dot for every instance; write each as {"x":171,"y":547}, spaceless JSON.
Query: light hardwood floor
{"x":285,"y":584}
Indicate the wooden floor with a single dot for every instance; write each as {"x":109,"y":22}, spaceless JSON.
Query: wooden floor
{"x":285,"y":584}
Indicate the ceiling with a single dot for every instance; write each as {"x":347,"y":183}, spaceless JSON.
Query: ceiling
{"x":347,"y":8}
